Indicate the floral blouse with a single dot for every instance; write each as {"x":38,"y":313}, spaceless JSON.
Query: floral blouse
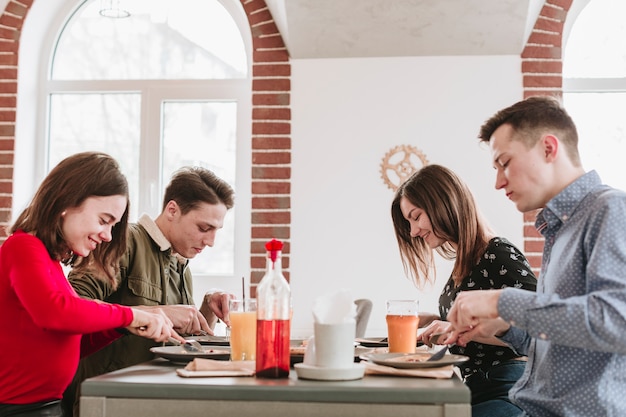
{"x":501,"y":266}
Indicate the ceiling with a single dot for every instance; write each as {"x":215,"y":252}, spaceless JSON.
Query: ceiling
{"x":384,"y":28}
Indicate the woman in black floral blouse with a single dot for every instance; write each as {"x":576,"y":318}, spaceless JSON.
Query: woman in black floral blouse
{"x":434,"y":211}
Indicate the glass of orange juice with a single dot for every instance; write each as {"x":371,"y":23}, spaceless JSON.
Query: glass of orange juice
{"x":242,"y":329}
{"x":402,"y":320}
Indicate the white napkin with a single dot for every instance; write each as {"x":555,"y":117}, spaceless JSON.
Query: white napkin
{"x":336,"y":307}
{"x":309,"y":352}
{"x":443,"y":372}
{"x":333,"y":308}
{"x":201,"y":367}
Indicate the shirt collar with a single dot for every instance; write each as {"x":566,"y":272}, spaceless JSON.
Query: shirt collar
{"x":158,"y":236}
{"x":154,"y":232}
{"x":561,"y":207}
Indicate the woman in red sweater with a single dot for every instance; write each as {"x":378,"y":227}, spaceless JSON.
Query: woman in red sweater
{"x":78,"y":215}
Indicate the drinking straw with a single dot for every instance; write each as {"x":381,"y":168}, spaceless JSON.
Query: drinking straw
{"x":243,"y":292}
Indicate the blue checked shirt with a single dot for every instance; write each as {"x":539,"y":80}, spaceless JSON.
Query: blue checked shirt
{"x":574,"y":327}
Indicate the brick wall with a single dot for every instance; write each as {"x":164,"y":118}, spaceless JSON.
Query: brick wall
{"x":542,"y":70}
{"x":271,"y":139}
{"x":11,"y":22}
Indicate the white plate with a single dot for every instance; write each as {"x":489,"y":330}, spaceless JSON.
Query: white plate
{"x":378,"y":342}
{"x":211,"y":340}
{"x":412,"y":360}
{"x":178,"y":354}
{"x":356,"y":371}
{"x":373,"y":341}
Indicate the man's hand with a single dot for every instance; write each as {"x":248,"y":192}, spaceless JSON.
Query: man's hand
{"x":186,"y":319}
{"x":153,"y":325}
{"x":486,"y":331}
{"x":470,"y":307}
{"x":215,"y":306}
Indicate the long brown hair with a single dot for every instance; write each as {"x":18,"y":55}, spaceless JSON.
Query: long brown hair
{"x":68,"y":185}
{"x":454,"y":217}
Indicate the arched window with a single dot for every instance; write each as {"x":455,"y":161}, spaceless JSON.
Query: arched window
{"x":163,"y":85}
{"x":594,"y":86}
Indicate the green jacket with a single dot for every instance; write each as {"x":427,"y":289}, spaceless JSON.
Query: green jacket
{"x":149,"y":275}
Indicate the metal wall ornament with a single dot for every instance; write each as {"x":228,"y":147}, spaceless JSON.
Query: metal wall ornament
{"x":399,"y":163}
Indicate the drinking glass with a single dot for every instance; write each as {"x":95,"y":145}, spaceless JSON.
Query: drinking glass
{"x":242,"y":329}
{"x":402,"y":320}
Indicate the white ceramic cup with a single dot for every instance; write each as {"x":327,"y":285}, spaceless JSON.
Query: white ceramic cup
{"x":334,"y":345}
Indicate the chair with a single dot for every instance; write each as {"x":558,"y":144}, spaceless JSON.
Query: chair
{"x":363,"y":311}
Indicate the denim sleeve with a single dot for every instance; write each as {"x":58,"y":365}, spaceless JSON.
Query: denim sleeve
{"x":517,"y":339}
{"x":511,"y":305}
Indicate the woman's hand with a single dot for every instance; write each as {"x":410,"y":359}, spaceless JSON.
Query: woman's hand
{"x":435,"y":328}
{"x":153,"y":325}
{"x":186,"y":319}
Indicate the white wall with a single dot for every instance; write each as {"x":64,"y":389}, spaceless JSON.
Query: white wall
{"x":346,"y":114}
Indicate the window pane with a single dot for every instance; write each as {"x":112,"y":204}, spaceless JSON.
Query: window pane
{"x":161,"y":39}
{"x":204,"y":134}
{"x":599,"y":118}
{"x":98,"y":122}
{"x":596,"y":46}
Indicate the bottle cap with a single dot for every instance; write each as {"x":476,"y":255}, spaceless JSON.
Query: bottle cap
{"x":273,"y":247}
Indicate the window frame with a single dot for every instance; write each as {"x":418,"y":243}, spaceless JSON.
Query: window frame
{"x":32,"y":130}
{"x":586,"y":85}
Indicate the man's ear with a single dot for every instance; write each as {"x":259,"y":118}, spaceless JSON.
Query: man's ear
{"x":171,"y":209}
{"x":550,"y":145}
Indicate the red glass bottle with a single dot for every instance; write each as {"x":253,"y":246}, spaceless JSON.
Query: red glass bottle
{"x":273,"y":317}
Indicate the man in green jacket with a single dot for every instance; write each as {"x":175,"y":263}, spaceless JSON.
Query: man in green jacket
{"x":155,"y":273}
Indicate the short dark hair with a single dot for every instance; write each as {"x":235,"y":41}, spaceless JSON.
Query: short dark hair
{"x":68,"y":185}
{"x":190,"y":186}
{"x":533,"y":117}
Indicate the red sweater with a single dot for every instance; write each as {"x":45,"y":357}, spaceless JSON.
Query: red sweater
{"x":42,"y":322}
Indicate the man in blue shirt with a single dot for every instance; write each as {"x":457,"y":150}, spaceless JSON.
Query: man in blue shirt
{"x":573,"y":327}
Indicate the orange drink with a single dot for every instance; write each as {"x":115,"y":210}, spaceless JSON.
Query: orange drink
{"x":402,"y":333}
{"x":402,"y":321}
{"x":242,"y":330}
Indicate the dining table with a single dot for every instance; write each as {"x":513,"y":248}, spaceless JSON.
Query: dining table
{"x":154,"y":389}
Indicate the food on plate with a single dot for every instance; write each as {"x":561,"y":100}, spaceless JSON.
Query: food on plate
{"x":209,"y":351}
{"x":297,"y":350}
{"x":423,"y":357}
{"x":298,"y":347}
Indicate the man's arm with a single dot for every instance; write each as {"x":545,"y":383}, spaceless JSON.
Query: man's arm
{"x":89,"y":285}
{"x":472,"y":306}
{"x":517,"y":339}
{"x":474,"y":316}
